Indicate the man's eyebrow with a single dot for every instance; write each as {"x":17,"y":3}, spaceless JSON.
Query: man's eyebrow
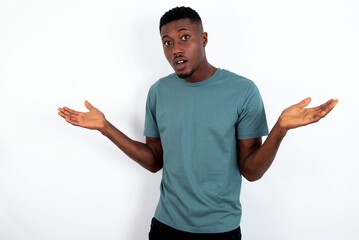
{"x":182,"y":29}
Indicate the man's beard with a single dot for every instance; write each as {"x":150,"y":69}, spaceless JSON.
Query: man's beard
{"x":185,"y":75}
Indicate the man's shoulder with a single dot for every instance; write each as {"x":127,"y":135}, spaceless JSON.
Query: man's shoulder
{"x":164,"y":80}
{"x":163,"y":84}
{"x":235,"y":78}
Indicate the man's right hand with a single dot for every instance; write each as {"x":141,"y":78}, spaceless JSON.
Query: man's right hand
{"x":149,"y":155}
{"x":94,"y":119}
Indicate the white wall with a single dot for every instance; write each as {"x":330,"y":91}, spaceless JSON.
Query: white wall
{"x":62,"y":182}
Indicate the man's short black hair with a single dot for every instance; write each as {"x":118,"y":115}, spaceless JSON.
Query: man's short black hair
{"x":180,"y":13}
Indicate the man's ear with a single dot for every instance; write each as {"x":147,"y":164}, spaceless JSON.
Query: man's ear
{"x":204,"y":38}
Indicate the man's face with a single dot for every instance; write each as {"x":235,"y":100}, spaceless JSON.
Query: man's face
{"x":183,"y":45}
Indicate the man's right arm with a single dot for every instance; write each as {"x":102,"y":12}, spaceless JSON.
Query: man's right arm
{"x":149,"y":155}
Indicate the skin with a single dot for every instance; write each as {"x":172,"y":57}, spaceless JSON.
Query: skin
{"x":184,"y":47}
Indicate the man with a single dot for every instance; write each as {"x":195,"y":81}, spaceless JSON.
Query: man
{"x":203,"y":128}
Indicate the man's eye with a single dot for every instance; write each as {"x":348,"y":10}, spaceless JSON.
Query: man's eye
{"x":185,"y":37}
{"x":167,"y":43}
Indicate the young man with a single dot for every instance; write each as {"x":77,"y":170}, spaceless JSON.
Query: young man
{"x":203,"y":128}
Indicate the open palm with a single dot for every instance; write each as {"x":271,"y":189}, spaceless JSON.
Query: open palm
{"x":297,"y":115}
{"x":94,"y":119}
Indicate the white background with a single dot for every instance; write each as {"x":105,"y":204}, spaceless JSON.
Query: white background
{"x":62,"y":182}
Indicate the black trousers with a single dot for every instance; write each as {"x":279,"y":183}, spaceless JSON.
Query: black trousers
{"x":160,"y":231}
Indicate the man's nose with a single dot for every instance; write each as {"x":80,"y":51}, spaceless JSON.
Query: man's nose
{"x":177,"y":48}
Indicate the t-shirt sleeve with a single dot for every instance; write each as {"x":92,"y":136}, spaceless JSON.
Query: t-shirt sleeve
{"x":151,"y":128}
{"x":252,"y":122}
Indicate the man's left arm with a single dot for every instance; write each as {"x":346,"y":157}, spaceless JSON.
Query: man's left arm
{"x":255,"y":158}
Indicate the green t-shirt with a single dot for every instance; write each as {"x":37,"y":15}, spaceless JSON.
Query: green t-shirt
{"x":199,"y":124}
